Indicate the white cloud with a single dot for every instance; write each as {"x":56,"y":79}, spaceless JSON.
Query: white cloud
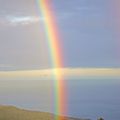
{"x":22,"y":20}
{"x":14,"y":20}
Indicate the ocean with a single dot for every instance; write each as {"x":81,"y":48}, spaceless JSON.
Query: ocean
{"x":86,"y":97}
{"x":94,"y":98}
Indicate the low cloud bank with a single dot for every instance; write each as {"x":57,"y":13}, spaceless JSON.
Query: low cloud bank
{"x":65,"y":72}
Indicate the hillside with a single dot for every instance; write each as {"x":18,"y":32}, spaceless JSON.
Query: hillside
{"x":13,"y":113}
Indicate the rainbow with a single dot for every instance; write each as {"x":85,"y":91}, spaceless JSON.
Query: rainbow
{"x":54,"y":46}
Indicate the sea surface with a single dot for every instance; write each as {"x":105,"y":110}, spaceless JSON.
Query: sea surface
{"x":86,"y":97}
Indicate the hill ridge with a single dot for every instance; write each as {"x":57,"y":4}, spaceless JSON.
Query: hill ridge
{"x":9,"y":112}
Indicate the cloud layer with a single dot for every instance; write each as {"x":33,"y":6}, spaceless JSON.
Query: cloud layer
{"x":65,"y":72}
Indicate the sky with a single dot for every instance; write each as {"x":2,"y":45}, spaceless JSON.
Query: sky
{"x":87,"y":29}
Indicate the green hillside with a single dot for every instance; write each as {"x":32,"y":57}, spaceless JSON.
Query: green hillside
{"x":13,"y":113}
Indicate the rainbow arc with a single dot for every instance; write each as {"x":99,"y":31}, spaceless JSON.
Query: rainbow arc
{"x":55,"y":50}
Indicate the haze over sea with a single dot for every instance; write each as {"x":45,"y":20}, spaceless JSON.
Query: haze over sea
{"x":87,"y":98}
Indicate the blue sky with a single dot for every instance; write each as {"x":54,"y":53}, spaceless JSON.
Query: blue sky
{"x":86,"y":27}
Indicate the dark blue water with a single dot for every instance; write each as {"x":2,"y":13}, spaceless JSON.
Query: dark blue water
{"x":93,"y":98}
{"x":87,"y":98}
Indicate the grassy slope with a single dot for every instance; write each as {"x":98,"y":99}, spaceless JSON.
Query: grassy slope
{"x":13,"y":113}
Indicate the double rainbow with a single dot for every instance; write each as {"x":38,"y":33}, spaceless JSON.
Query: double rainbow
{"x":54,"y":46}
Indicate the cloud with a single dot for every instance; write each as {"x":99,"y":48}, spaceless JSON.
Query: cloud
{"x":14,"y":20}
{"x":65,"y":72}
{"x":22,"y":20}
{"x":80,"y":11}
{"x":85,"y":8}
{"x":65,"y":15}
{"x":6,"y":66}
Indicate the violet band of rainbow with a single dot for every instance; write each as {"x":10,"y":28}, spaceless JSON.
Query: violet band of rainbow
{"x":56,"y":54}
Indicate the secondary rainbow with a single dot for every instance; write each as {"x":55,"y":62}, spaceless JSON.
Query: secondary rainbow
{"x":56,"y":54}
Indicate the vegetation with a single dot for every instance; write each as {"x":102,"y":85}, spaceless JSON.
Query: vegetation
{"x":13,"y":113}
{"x":100,"y":119}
